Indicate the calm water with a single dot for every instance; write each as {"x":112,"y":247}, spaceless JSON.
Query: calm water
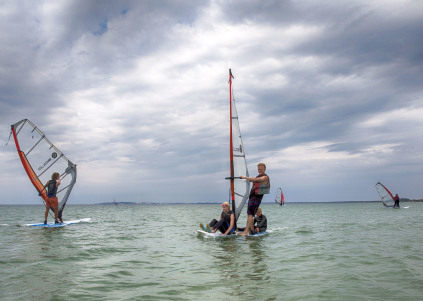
{"x":152,"y":252}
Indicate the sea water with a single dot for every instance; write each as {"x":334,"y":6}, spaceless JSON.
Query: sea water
{"x":337,"y":251}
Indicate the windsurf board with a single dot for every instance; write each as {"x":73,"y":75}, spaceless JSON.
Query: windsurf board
{"x":65,"y":223}
{"x":220,"y":235}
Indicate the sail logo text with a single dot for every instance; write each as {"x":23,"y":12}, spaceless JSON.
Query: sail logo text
{"x":45,"y":163}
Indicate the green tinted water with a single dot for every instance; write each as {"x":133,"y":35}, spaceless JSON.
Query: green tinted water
{"x":342,"y":251}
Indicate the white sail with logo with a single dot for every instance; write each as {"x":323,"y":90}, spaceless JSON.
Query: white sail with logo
{"x":40,"y":158}
{"x":240,"y":188}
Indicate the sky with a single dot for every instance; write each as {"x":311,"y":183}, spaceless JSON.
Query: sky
{"x":329,"y":95}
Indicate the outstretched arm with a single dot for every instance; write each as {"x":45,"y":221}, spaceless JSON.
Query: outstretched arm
{"x":253,"y":179}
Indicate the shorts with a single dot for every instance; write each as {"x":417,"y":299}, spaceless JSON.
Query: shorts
{"x":254,"y":204}
{"x":52,"y":202}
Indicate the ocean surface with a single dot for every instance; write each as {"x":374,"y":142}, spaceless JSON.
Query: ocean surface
{"x":339,"y":251}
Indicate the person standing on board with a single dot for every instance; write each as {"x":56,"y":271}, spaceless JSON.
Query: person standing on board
{"x":226,"y":223}
{"x":396,"y":199}
{"x":51,"y":198}
{"x":261,"y":186}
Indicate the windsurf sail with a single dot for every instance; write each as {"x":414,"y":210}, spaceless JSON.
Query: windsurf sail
{"x":40,"y":158}
{"x":240,"y":188}
{"x":280,"y":199}
{"x":385,"y":195}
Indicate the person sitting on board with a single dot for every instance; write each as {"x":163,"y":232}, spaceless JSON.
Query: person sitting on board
{"x":226,"y":223}
{"x":51,"y":199}
{"x":260,"y":222}
{"x":261,"y":186}
{"x":396,"y":199}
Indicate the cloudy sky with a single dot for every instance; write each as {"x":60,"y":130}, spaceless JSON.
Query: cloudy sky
{"x":329,"y":95}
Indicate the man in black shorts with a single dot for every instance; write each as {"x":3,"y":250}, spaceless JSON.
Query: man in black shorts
{"x":261,"y":186}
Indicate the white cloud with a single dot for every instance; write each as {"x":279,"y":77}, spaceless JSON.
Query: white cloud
{"x":137,"y":95}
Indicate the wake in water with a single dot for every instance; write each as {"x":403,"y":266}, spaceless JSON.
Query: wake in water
{"x":279,"y":229}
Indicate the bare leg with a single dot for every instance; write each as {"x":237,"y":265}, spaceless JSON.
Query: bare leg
{"x":55,"y":213}
{"x":46,"y":213}
{"x":250,"y":223}
{"x":249,"y":226}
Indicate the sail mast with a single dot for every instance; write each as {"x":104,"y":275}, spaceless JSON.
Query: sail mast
{"x":231,"y":146}
{"x":239,"y":188}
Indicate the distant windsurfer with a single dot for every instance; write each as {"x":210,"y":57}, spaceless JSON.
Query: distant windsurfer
{"x":226,"y":223}
{"x":260,"y":187}
{"x":51,"y":199}
{"x":396,"y":200}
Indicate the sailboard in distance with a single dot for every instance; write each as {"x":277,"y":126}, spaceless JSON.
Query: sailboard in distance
{"x":385,"y":196}
{"x":280,"y":198}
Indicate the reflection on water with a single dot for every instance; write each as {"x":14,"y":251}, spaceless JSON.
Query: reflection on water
{"x":241,"y":263}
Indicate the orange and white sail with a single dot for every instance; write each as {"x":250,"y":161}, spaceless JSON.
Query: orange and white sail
{"x":40,"y":158}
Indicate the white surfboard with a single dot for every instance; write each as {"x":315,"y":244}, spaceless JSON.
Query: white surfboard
{"x":220,"y":235}
{"x":209,"y":234}
{"x":65,"y":223}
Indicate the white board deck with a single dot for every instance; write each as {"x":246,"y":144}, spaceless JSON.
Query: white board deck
{"x":65,"y":223}
{"x":219,"y":235}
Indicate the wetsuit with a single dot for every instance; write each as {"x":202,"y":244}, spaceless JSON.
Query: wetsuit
{"x":224,"y":222}
{"x":396,"y":199}
{"x":261,"y":223}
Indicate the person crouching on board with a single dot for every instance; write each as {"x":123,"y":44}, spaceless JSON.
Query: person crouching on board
{"x":260,"y":222}
{"x":51,"y":199}
{"x":226,"y":223}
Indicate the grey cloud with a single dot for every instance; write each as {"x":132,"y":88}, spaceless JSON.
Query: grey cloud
{"x":356,"y":63}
